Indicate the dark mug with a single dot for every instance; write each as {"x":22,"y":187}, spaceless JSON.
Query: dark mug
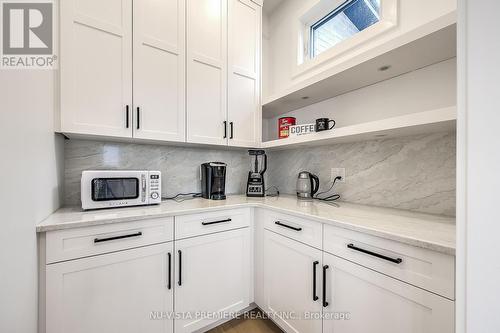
{"x":323,"y":124}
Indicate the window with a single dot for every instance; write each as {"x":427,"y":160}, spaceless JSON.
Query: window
{"x":345,"y":21}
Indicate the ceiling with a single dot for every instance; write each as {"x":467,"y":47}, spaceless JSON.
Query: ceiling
{"x":270,"y":5}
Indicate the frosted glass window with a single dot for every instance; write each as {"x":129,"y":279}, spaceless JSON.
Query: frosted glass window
{"x":345,"y":21}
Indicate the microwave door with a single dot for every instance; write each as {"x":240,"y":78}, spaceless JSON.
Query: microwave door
{"x":117,"y":189}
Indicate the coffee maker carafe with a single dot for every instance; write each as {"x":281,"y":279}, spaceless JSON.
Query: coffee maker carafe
{"x":213,"y":180}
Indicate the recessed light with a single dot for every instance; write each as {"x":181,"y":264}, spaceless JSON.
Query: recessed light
{"x":384,"y":68}
{"x":305,"y":97}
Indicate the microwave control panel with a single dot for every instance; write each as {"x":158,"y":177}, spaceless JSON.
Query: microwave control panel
{"x":154,"y":187}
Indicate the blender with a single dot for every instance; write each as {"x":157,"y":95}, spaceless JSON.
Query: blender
{"x":255,"y":183}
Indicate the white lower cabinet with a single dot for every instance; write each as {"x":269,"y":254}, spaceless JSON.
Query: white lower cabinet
{"x":206,"y":274}
{"x":307,"y":290}
{"x":132,"y":290}
{"x":212,"y":277}
{"x":114,"y":292}
{"x":377,"y":303}
{"x":289,"y":293}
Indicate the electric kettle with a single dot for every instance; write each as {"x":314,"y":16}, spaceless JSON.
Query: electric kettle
{"x":307,"y":185}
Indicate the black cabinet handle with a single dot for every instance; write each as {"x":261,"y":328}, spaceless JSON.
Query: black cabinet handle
{"x":216,"y":222}
{"x":180,"y":268}
{"x":232,"y":130}
{"x":315,"y":297}
{"x":107,"y":239}
{"x":138,"y":118}
{"x":378,"y":255}
{"x":127,"y":121}
{"x":225,"y":129}
{"x":325,"y":303}
{"x":287,"y":226}
{"x":169,"y":279}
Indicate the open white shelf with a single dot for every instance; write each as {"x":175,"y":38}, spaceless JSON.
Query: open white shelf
{"x":361,"y":71}
{"x":411,"y":124}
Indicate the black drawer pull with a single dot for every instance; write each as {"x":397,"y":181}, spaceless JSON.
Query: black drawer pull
{"x":127,"y":122}
{"x":325,"y":303}
{"x":287,"y":226}
{"x":169,"y":279}
{"x":225,"y":129}
{"x":381,"y":256}
{"x":232,"y":130}
{"x":180,"y":267}
{"x":215,"y":222}
{"x":315,"y":297}
{"x":138,"y":118}
{"x":100,"y":240}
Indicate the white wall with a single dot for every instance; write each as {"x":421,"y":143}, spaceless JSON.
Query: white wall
{"x":30,"y":174}
{"x":478,"y":263}
{"x":282,"y":55}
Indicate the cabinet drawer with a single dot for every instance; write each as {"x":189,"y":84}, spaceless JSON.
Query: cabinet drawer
{"x":305,"y":231}
{"x":207,"y":223}
{"x":423,"y":268}
{"x":88,"y":241}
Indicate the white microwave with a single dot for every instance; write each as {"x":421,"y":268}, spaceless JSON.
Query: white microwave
{"x":120,"y":188}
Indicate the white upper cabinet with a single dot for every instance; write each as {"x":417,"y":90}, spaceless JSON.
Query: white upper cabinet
{"x":244,"y":45}
{"x":223,"y":72}
{"x":159,"y":70}
{"x":206,"y":71}
{"x":96,"y":67}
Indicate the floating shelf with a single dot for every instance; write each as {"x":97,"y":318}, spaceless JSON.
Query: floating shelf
{"x":423,"y":51}
{"x":411,"y":124}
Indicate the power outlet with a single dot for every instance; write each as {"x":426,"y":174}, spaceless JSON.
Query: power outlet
{"x":338,"y":172}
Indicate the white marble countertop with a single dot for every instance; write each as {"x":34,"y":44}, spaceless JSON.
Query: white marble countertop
{"x":422,"y":230}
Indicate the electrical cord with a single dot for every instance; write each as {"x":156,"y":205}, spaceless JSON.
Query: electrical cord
{"x":332,"y":197}
{"x":179,"y":197}
{"x":277,"y":194}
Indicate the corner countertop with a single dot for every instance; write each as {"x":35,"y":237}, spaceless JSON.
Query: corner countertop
{"x":432,"y":232}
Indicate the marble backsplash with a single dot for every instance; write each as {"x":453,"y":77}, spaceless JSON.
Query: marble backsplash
{"x":180,"y":166}
{"x":414,"y":173}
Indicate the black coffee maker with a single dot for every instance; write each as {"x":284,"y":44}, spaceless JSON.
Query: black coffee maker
{"x":213,"y":180}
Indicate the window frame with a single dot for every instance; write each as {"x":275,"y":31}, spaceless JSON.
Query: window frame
{"x":319,"y":11}
{"x":326,"y":19}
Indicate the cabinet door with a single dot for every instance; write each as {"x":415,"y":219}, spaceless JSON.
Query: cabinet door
{"x":244,"y":40}
{"x":212,"y":276}
{"x":159,"y":69}
{"x":96,"y":67}
{"x":289,"y":293}
{"x":206,"y":71}
{"x":380,"y":304}
{"x":117,"y":292}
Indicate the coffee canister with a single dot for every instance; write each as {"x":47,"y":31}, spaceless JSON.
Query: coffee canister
{"x":284,"y":124}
